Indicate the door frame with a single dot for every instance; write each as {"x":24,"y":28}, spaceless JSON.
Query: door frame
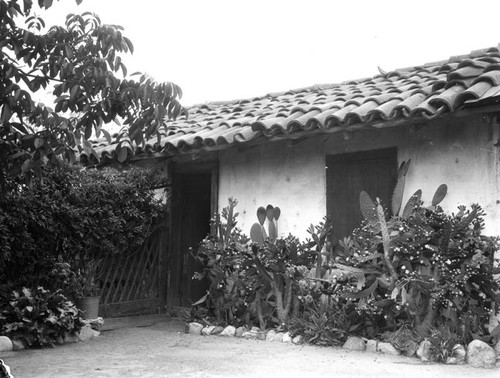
{"x":175,"y":256}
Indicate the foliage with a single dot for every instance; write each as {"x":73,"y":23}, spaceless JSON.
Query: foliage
{"x":427,"y":268}
{"x":326,"y":318}
{"x":403,"y":339}
{"x":258,"y":232}
{"x":38,"y":317}
{"x":399,"y":278}
{"x":248,"y":282}
{"x":442,"y":343}
{"x":223,"y":258}
{"x":53,"y":234}
{"x":83,"y":62}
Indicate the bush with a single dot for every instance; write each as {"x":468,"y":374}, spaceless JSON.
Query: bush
{"x":443,"y":270}
{"x":249,"y":283}
{"x":73,"y":217}
{"x":38,"y":317}
{"x":400,"y":279}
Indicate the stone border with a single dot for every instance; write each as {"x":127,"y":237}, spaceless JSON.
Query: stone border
{"x":477,"y":354}
{"x":88,"y":331}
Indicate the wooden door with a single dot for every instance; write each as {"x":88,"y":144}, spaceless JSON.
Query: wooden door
{"x":190,"y":225}
{"x":347,"y":175}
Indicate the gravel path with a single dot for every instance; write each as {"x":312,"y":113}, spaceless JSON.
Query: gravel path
{"x":164,"y":350}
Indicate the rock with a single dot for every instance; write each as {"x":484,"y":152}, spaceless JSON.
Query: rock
{"x":19,"y":344}
{"x":195,"y":328}
{"x":480,"y":354}
{"x":96,"y":323}
{"x":70,"y":338}
{"x":261,"y":335}
{"x":371,"y":346}
{"x":451,"y":361}
{"x":424,"y":351}
{"x":255,"y":329}
{"x":411,"y":348}
{"x":287,"y":337}
{"x":240,"y":331}
{"x":5,"y":344}
{"x":217,"y":330}
{"x":270,"y":335}
{"x":388,"y":348}
{"x":278,"y":337}
{"x":458,"y":353}
{"x":250,"y":335}
{"x":354,"y":343}
{"x":60,"y":340}
{"x":87,"y":333}
{"x":297,"y":340}
{"x":497,"y":349}
{"x":207,"y":331}
{"x":228,"y":331}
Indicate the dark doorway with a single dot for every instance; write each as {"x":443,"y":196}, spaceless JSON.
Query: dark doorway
{"x":347,"y":175}
{"x":192,"y":208}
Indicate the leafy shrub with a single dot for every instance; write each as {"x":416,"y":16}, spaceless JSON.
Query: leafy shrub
{"x":326,"y":319}
{"x":249,"y":283}
{"x":76,"y":217}
{"x":443,"y":267}
{"x":400,"y":277}
{"x":38,"y":317}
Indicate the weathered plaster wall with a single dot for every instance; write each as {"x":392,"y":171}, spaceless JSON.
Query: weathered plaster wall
{"x":293,"y":177}
{"x":290,"y":177}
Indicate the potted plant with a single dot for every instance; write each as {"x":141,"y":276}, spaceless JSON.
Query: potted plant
{"x":88,"y":288}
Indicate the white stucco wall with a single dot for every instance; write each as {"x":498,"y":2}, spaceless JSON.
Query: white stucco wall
{"x":290,"y":177}
{"x":293,"y":176}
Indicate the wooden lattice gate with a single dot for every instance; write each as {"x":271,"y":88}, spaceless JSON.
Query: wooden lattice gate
{"x":134,"y":283}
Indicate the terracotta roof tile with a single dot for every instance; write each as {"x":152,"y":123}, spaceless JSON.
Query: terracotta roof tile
{"x":425,"y":91}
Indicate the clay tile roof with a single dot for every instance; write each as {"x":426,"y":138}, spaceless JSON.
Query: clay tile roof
{"x":409,"y":94}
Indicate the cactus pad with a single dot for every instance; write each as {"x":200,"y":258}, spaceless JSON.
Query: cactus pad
{"x":439,"y":195}
{"x":367,"y":207}
{"x":256,"y":234}
{"x":270,"y":212}
{"x":412,"y":203}
{"x":261,"y":215}
{"x":272,"y":231}
{"x":277,"y":213}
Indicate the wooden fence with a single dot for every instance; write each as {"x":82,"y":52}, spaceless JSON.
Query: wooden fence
{"x":132,"y":283}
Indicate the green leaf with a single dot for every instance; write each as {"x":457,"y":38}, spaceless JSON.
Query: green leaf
{"x":69,"y":52}
{"x":107,"y":135}
{"x":6,"y":113}
{"x":39,"y":142}
{"x":26,"y":166}
{"x":122,"y":154}
{"x":73,"y":92}
{"x":404,"y":296}
{"x":394,"y":293}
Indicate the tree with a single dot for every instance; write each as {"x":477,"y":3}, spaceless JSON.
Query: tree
{"x":83,"y":62}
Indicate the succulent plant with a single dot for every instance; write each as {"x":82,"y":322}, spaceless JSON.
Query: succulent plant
{"x":258,"y":232}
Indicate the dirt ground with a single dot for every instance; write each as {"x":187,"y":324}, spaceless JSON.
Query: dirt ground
{"x":163,"y":349}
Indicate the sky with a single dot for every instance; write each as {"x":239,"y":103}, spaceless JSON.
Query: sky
{"x":231,"y":49}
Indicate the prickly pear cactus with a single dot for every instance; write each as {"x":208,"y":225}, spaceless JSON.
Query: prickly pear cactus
{"x":269,"y":214}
